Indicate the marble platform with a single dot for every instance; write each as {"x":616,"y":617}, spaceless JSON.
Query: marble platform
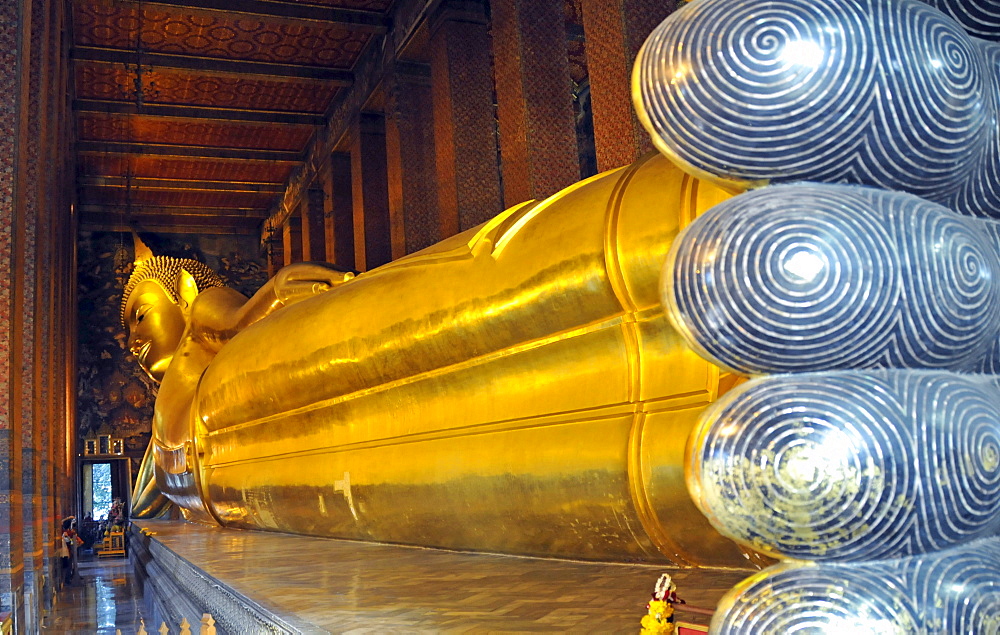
{"x":257,"y":582}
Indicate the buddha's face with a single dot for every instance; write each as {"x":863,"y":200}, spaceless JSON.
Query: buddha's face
{"x":155,"y":325}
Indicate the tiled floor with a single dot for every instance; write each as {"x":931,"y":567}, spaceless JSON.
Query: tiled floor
{"x":102,"y":599}
{"x":344,"y":587}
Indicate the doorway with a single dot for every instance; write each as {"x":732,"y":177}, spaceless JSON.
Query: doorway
{"x":102,"y":481}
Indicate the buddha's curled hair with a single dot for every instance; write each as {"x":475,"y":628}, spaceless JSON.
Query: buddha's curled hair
{"x":166,"y":269}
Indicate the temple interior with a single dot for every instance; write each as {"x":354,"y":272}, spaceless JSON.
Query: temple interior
{"x":500,"y":316}
{"x":251,"y":135}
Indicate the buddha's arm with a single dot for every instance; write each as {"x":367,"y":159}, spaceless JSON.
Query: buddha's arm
{"x":219,"y":313}
{"x":147,"y":499}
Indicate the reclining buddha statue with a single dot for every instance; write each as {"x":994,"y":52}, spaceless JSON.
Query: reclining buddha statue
{"x":515,"y":388}
{"x":568,"y":378}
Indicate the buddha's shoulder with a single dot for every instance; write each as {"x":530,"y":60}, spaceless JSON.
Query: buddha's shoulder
{"x":214,"y":300}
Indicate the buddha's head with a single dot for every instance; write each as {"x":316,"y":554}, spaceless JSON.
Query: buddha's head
{"x":155,"y":306}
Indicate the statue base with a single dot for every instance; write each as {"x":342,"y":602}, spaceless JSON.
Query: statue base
{"x":258,"y":582}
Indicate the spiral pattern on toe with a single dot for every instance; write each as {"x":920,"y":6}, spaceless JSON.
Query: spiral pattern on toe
{"x":980,"y":194}
{"x":980,"y":18}
{"x":991,"y":364}
{"x":957,"y":591}
{"x":851,"y":466}
{"x":820,"y":277}
{"x":957,"y":432}
{"x":963,"y":585}
{"x":804,"y":600}
{"x":889,"y":93}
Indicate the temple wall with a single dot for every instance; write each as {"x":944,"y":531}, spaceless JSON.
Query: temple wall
{"x":36,"y":307}
{"x":450,"y":163}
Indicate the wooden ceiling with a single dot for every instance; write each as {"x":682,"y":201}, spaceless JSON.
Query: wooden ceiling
{"x":230,"y":95}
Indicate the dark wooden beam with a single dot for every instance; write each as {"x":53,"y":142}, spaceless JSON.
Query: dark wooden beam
{"x":140,"y":211}
{"x":244,"y":68}
{"x":356,"y":20}
{"x":202,"y":152}
{"x":169,"y":220}
{"x":198,"y":112}
{"x":170,"y":225}
{"x":187,"y":186}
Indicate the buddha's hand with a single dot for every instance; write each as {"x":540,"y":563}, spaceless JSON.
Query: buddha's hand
{"x":860,"y":287}
{"x":147,"y":499}
{"x":305,"y":279}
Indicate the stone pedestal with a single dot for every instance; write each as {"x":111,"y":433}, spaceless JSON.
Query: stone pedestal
{"x":174,"y":589}
{"x":268,"y":582}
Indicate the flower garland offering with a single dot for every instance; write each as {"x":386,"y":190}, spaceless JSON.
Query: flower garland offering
{"x":660,"y":615}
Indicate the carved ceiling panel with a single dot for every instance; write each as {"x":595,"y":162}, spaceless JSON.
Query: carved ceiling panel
{"x":95,"y":80}
{"x":96,"y":126}
{"x":146,"y":166}
{"x":219,"y":34}
{"x":148,"y":197}
{"x":229,"y":100}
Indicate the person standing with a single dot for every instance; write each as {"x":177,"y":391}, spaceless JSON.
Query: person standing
{"x":70,"y":541}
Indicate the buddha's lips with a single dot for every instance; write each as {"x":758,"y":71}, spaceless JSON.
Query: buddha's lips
{"x":141,"y":353}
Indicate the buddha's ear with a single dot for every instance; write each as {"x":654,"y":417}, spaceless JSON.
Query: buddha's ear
{"x":187,"y":289}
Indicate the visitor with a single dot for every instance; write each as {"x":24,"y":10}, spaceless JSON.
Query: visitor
{"x":116,"y":515}
{"x":70,"y":541}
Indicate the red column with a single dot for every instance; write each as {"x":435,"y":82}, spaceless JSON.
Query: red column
{"x":409,"y":141}
{"x":465,"y":149}
{"x":291,"y":239}
{"x":370,"y":193}
{"x":34,"y":281}
{"x":56,"y":221}
{"x":313,"y":232}
{"x":14,"y":112}
{"x":615,"y":30}
{"x":275,"y":255}
{"x":338,"y":210}
{"x":538,"y":143}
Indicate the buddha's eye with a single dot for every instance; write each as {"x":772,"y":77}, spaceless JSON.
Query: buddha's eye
{"x":140,"y":314}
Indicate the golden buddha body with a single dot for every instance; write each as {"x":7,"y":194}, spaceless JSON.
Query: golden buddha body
{"x":516,"y":388}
